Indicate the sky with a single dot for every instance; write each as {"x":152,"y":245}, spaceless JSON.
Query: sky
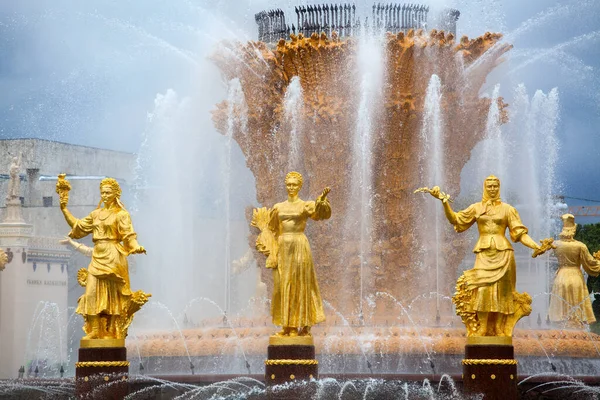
{"x":89,"y":72}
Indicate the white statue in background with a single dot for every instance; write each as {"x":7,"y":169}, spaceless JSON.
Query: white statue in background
{"x":80,"y":247}
{"x":14,"y":184}
{"x":244,"y":263}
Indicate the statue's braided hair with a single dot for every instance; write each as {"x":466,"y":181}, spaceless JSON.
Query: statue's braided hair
{"x":296,"y":175}
{"x":114,"y":185}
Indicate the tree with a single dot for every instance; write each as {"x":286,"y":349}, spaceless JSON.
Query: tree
{"x":590,"y":236}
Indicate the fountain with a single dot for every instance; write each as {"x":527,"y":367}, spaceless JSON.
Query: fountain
{"x":373,"y":107}
{"x":384,"y":150}
{"x":310,"y":102}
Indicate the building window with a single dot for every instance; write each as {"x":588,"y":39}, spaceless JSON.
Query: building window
{"x":47,"y":201}
{"x":22,"y":200}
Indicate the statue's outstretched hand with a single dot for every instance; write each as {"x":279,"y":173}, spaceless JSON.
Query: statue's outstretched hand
{"x":435,"y":192}
{"x":324,"y":194}
{"x":138,"y":250}
{"x":546,"y":244}
{"x":66,"y":241}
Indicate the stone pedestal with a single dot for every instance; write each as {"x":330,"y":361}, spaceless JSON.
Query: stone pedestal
{"x":290,"y":359}
{"x":490,"y":368}
{"x":13,"y":214}
{"x":17,"y":299}
{"x":102,"y":369}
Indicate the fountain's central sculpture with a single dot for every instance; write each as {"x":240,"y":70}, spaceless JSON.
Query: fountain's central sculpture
{"x":328,"y":69}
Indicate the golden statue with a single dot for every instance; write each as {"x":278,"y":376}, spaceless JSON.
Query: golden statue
{"x":3,"y":260}
{"x":296,"y":305}
{"x":108,"y":304}
{"x":570,"y":301}
{"x":486,"y":297}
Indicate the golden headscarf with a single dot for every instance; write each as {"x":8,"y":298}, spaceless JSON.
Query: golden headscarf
{"x":486,"y":198}
{"x":569,"y":227}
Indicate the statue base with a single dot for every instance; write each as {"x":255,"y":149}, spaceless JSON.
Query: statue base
{"x":102,"y":370}
{"x":290,"y":359}
{"x":490,"y":367}
{"x":13,"y":212}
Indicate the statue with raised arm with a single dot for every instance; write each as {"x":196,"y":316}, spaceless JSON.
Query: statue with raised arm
{"x":14,"y":183}
{"x":108,"y":303}
{"x":296,"y":305}
{"x":570,"y":302}
{"x":486,"y":297}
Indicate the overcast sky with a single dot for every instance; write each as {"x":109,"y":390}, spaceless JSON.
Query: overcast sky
{"x":88,"y":72}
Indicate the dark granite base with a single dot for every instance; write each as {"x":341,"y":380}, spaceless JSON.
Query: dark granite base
{"x":491,"y":370}
{"x":290,"y":363}
{"x":102,"y":373}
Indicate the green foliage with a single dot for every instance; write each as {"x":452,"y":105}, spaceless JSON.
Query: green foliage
{"x":590,"y":236}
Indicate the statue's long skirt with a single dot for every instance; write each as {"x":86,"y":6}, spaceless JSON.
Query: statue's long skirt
{"x":298,"y":302}
{"x":107,"y":286}
{"x":570,"y":297}
{"x":494,"y":279}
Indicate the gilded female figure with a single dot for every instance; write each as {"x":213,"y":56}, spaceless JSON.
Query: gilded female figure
{"x":570,"y":301}
{"x":108,"y":303}
{"x":296,"y":305}
{"x":487,"y":296}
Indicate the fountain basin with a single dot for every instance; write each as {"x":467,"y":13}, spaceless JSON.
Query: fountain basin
{"x":367,"y":350}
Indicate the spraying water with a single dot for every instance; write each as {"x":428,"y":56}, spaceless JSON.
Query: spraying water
{"x":492,"y":160}
{"x":433,"y":145}
{"x":292,"y":106}
{"x":236,"y":119}
{"x":370,"y":64}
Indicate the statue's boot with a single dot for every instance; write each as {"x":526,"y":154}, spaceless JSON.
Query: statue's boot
{"x":482,"y":317}
{"x":283,"y":332}
{"x":111,"y":331}
{"x":502,"y":328}
{"x":305,"y":331}
{"x":94,"y":324}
